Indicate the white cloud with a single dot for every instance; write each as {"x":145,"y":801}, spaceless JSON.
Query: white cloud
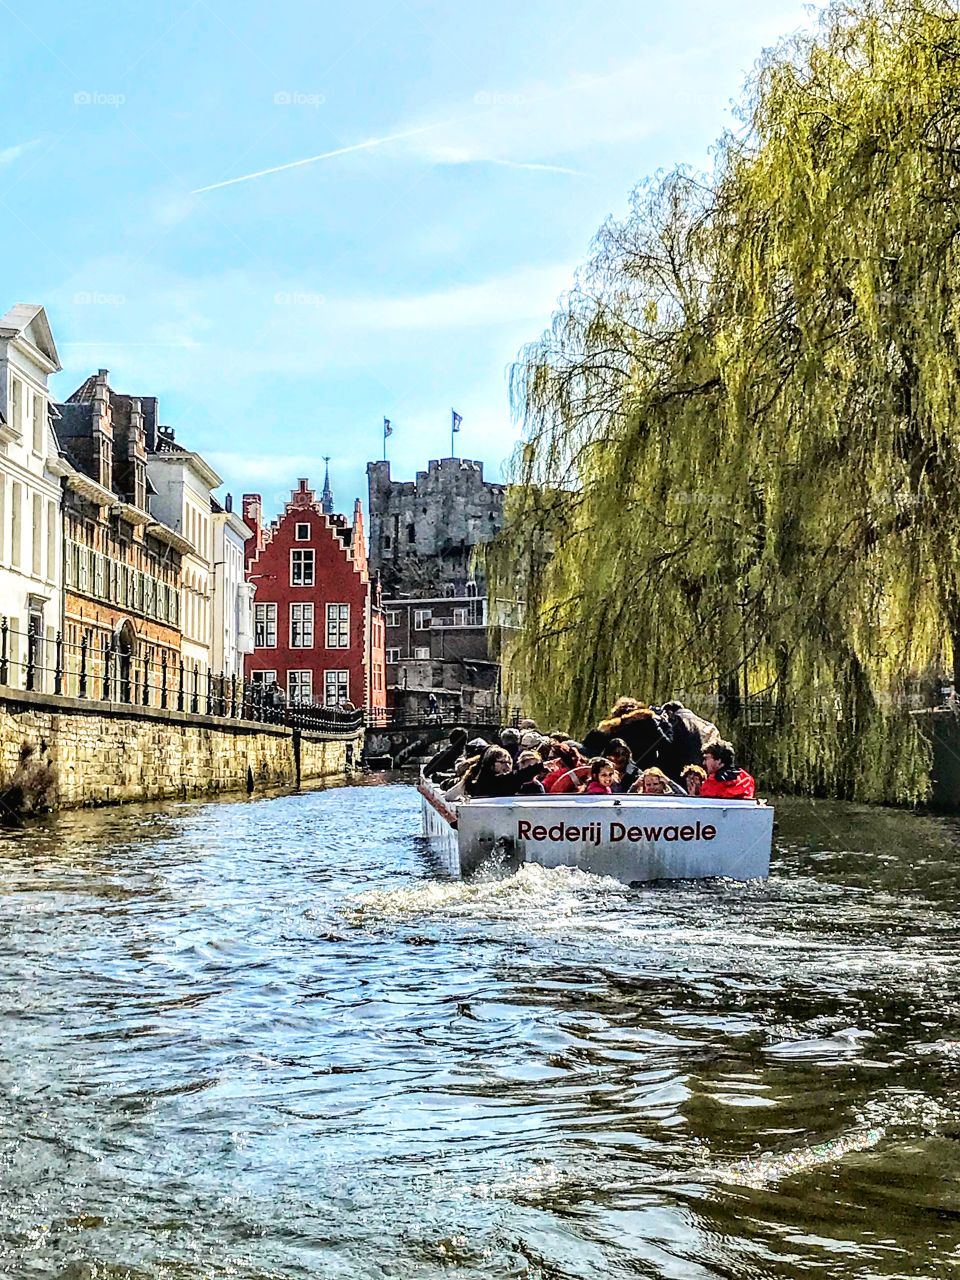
{"x":295,"y":326}
{"x":9,"y":154}
{"x":661,"y":90}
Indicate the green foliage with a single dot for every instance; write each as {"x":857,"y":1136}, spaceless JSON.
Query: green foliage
{"x":740,"y":431}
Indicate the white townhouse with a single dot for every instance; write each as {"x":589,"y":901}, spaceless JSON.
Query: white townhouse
{"x":31,"y":521}
{"x":182,"y":483}
{"x":232,"y":594}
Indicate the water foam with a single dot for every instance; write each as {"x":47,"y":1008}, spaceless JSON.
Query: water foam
{"x":532,"y":891}
{"x":772,"y":1167}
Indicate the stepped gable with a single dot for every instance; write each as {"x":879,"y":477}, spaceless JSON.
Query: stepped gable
{"x":349,"y":538}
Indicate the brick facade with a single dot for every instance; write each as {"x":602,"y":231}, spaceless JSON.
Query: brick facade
{"x":318,"y":627}
{"x":122,"y":568}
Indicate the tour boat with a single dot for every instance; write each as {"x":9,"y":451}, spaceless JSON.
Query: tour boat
{"x":633,"y":838}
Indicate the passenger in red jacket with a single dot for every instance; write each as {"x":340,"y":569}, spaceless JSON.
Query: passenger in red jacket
{"x":724,"y":780}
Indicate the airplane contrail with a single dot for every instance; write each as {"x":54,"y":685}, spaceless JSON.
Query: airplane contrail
{"x":537,"y":168}
{"x":326,"y":155}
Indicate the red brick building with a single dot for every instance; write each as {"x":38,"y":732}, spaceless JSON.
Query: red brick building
{"x":318,"y":622}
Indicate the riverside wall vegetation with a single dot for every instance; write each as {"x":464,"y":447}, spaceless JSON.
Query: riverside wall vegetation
{"x":106,"y":753}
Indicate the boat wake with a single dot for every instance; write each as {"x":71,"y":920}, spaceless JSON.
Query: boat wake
{"x":771,"y":1167}
{"x":531,"y":891}
{"x":896,"y":1115}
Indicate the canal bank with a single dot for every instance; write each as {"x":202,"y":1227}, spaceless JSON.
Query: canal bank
{"x":73,"y":753}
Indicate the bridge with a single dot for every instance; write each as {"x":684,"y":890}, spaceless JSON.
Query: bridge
{"x":395,"y":736}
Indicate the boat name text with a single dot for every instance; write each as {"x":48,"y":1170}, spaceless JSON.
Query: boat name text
{"x":592,"y":832}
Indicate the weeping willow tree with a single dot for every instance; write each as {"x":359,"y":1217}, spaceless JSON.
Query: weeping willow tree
{"x":741,"y":445}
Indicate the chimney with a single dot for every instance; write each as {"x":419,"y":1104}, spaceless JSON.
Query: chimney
{"x":228,"y":503}
{"x":137,"y":454}
{"x":102,"y":428}
{"x":253,"y":519}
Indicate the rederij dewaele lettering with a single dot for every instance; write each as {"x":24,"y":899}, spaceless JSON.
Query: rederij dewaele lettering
{"x":592,"y":833}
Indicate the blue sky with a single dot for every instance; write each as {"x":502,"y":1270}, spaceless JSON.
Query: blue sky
{"x":281,"y":317}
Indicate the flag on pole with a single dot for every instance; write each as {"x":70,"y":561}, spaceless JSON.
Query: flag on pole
{"x":457,"y":419}
{"x":387,"y":428}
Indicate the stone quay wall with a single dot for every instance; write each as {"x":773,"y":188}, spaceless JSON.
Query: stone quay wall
{"x":105,"y":753}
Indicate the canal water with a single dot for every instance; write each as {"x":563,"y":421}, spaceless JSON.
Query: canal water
{"x":269,"y":1039}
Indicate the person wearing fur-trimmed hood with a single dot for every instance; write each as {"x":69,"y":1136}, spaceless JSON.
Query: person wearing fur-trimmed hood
{"x":644,"y":730}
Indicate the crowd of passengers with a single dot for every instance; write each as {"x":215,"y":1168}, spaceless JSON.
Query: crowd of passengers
{"x":654,"y":751}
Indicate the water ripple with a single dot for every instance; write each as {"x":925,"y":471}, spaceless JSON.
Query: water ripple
{"x":269,"y":1039}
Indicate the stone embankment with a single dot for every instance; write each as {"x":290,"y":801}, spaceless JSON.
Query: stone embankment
{"x":105,"y":753}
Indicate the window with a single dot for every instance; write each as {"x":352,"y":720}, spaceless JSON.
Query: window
{"x":336,"y":687}
{"x":16,"y":405}
{"x":303,"y":533}
{"x":265,"y":626}
{"x":393,"y":655}
{"x":301,"y":626}
{"x":460,"y":617}
{"x":338,"y":626}
{"x":422,"y":619}
{"x":38,"y":423}
{"x":99,"y":575}
{"x":51,"y":539}
{"x":36,"y":563}
{"x":387,"y":542}
{"x":393,"y":617}
{"x":422,"y":651}
{"x":16,"y":516}
{"x":301,"y":568}
{"x":411,"y":533}
{"x":471,"y":588}
{"x":263,"y":677}
{"x":300,"y":688}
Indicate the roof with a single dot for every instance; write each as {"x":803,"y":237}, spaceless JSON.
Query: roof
{"x":74,"y":420}
{"x":28,"y":322}
{"x":84,"y":394}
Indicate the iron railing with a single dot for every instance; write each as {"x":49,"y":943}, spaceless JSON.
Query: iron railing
{"x":98,"y":669}
{"x":407,"y":718}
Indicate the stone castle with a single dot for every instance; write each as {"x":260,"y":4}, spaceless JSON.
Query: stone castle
{"x":422,"y":531}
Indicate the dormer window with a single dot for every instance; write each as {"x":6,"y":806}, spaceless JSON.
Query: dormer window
{"x":303,"y":533}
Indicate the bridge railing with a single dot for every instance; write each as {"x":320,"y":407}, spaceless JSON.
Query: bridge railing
{"x":406,"y":718}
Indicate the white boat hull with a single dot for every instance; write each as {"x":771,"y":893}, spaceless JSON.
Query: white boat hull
{"x":631,"y":838}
